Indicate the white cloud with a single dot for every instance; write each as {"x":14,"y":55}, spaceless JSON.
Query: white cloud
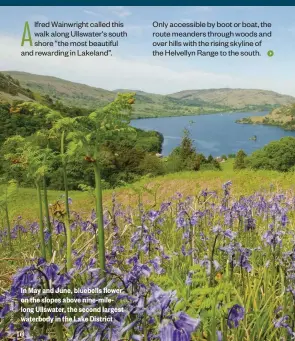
{"x":202,"y":9}
{"x":137,"y":30}
{"x":109,"y":73}
{"x":90,"y":12}
{"x":38,"y":17}
{"x":149,"y":74}
{"x":120,"y":11}
{"x":197,"y":9}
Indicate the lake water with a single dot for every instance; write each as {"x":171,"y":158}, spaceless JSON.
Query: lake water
{"x":214,"y":134}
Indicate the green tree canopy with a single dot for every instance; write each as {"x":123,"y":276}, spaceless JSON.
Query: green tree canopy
{"x":277,"y":155}
{"x":184,"y":157}
{"x":240,"y":161}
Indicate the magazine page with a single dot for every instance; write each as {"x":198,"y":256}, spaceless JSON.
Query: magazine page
{"x":147,"y":159}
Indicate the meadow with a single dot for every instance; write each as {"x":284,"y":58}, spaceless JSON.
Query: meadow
{"x":205,"y":255}
{"x":24,"y":202}
{"x":202,"y":254}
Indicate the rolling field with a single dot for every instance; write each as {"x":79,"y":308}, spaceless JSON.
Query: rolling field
{"x":211,"y":251}
{"x":189,"y":183}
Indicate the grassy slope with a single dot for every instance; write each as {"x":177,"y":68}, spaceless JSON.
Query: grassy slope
{"x":188,"y":183}
{"x":81,"y":95}
{"x":5,"y":97}
{"x":237,"y":98}
{"x":283,"y":117}
{"x":191,"y":102}
{"x":60,"y":89}
{"x":11,"y":90}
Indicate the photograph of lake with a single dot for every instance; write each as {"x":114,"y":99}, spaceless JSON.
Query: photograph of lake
{"x":147,"y":173}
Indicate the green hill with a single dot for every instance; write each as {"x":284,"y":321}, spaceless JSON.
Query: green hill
{"x":10,"y":90}
{"x":70,"y":93}
{"x":84,"y":96}
{"x":235,"y":98}
{"x":283,"y":116}
{"x":188,"y":102}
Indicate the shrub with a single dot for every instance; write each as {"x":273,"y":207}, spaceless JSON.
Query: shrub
{"x":240,"y":162}
{"x":151,"y":164}
{"x":277,"y":155}
{"x":207,"y":166}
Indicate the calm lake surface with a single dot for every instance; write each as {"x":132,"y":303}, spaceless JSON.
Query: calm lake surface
{"x":214,"y":134}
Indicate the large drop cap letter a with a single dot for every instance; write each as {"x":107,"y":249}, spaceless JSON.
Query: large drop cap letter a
{"x":27,"y":33}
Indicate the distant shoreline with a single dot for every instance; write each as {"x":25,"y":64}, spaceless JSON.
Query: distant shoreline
{"x":265,"y":124}
{"x":201,"y":114}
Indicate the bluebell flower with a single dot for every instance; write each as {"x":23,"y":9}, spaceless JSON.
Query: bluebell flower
{"x":4,"y":311}
{"x":189,"y":278}
{"x":187,"y":323}
{"x":282,"y":323}
{"x":219,"y":335}
{"x":230,"y":234}
{"x":235,"y":315}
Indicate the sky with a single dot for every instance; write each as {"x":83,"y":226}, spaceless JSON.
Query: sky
{"x":132,"y":65}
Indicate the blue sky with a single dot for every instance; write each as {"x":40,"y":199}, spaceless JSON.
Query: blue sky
{"x":133,"y":66}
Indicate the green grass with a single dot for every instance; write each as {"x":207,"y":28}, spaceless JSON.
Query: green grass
{"x":159,"y":188}
{"x":259,"y":292}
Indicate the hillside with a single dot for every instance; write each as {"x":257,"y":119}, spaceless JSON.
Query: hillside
{"x":11,"y":90}
{"x":283,"y":116}
{"x":81,"y":95}
{"x":66,"y":91}
{"x":189,"y":102}
{"x":235,"y":98}
{"x":244,"y":182}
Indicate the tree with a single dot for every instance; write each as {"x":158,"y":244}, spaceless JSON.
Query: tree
{"x":202,"y":158}
{"x":277,"y":155}
{"x":184,"y":157}
{"x":210,"y":159}
{"x":239,"y":162}
{"x":216,"y":164}
{"x":187,"y":149}
{"x":151,"y":164}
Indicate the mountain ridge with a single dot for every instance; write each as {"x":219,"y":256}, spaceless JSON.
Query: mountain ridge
{"x":181,"y":103}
